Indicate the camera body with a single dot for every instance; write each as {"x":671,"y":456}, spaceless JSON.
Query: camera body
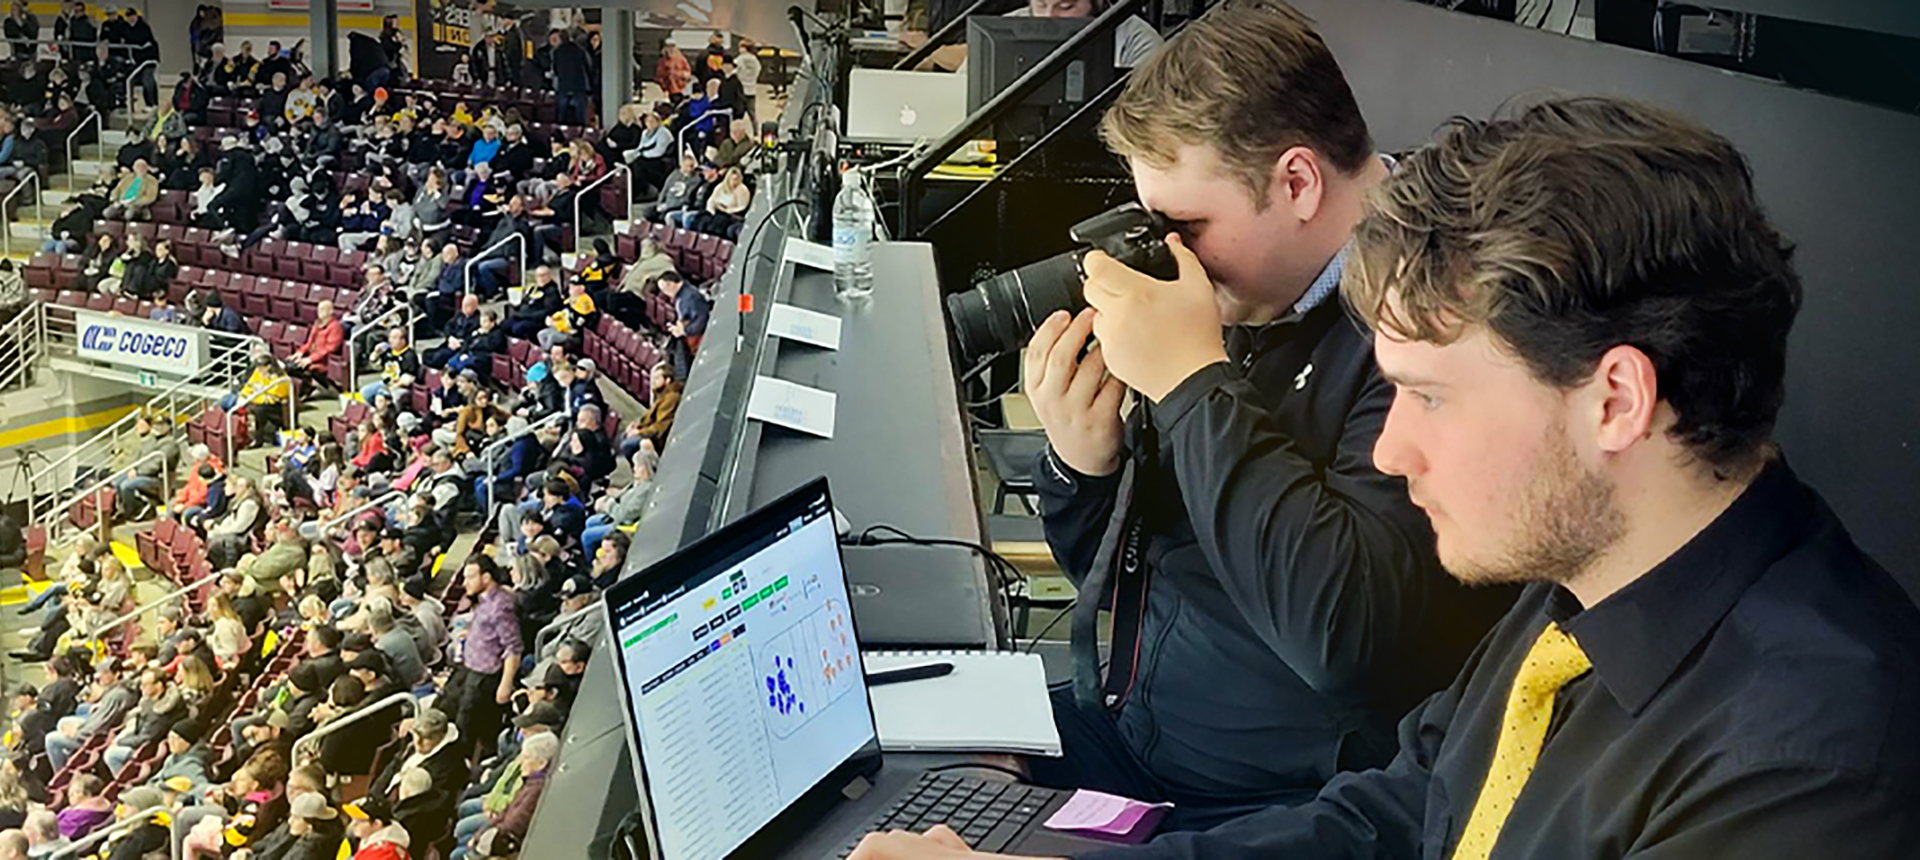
{"x":1001,"y":314}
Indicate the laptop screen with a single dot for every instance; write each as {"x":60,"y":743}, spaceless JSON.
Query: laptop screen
{"x":743,"y":675}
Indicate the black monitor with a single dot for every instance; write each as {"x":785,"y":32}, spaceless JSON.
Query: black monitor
{"x":1000,"y":49}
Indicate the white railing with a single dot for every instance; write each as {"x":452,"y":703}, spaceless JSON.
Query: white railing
{"x":579,"y":229}
{"x":137,"y":819}
{"x":39,"y":210}
{"x":150,"y":606}
{"x":323,"y":522}
{"x":177,"y":401}
{"x":226,"y":419}
{"x":99,"y":137}
{"x":466,"y":274}
{"x":558,"y":625}
{"x":492,"y":451}
{"x":21,"y":345}
{"x":133,"y":80}
{"x":701,"y":156}
{"x":362,"y":329}
{"x":311,"y":740}
{"x":62,"y":511}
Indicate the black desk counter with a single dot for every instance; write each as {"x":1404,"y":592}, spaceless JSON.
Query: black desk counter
{"x":899,"y":456}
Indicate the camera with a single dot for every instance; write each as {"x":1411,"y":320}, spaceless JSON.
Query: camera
{"x":1001,"y":314}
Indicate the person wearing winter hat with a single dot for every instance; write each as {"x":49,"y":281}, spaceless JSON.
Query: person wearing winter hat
{"x":145,"y":838}
{"x":314,"y":831}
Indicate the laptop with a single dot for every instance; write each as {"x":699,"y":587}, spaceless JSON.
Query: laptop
{"x":746,"y":707}
{"x":885,"y":106}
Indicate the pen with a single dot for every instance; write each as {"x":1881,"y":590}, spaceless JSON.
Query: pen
{"x":909,"y":673}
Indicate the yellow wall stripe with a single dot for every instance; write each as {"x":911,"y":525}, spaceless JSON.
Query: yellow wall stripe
{"x":66,"y":426}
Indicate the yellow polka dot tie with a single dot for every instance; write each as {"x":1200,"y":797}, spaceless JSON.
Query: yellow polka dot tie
{"x":1554,"y":660}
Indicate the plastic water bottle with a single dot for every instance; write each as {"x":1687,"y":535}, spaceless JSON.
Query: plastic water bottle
{"x":852,"y":238}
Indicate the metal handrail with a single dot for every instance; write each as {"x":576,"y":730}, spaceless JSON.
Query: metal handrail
{"x":466,"y":272}
{"x":99,"y":136}
{"x":1101,"y":27}
{"x":170,"y":395}
{"x":362,"y":329}
{"x":60,"y":511}
{"x":226,"y":419}
{"x":938,"y":38}
{"x":133,"y":78}
{"x":491,"y":452}
{"x":1097,"y":103}
{"x":354,"y":514}
{"x":23,"y":329}
{"x":312,"y":739}
{"x":579,"y":229}
{"x":137,"y":819}
{"x":39,"y":209}
{"x":149,"y":606}
{"x":681,"y":144}
{"x":553,"y":627}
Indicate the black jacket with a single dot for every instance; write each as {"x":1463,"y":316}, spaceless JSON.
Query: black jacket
{"x":139,"y":34}
{"x":514,"y":159}
{"x":572,"y":68}
{"x":149,"y":838}
{"x":539,"y":303}
{"x":1294,"y":609}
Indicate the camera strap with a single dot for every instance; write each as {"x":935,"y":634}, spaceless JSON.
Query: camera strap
{"x":1121,"y":558}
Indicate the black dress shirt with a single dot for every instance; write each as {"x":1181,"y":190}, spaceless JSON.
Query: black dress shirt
{"x":1755,"y":695}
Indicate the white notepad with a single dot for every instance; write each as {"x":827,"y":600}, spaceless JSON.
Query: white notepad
{"x":993,"y":701}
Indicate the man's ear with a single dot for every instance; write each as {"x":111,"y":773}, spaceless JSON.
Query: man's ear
{"x":1297,"y":183}
{"x":1627,"y":398}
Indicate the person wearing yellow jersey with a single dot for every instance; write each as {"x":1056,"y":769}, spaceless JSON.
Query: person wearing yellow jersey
{"x":263,"y":395}
{"x":569,"y":321}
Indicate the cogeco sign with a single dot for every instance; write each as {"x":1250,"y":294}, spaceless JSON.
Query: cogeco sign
{"x":171,"y":349}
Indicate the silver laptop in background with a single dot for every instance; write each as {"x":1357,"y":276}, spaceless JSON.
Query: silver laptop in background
{"x":885,"y":106}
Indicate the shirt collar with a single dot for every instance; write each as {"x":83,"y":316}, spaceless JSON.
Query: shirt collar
{"x":1638,"y":637}
{"x":1325,"y":285}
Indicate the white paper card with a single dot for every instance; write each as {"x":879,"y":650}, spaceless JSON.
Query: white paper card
{"x":810,"y":254}
{"x":805,"y":326}
{"x":797,"y":407}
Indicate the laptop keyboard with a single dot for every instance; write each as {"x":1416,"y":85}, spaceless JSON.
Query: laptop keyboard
{"x":988,"y":814}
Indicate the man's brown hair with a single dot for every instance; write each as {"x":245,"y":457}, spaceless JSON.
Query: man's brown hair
{"x":1252,"y":79}
{"x":1576,"y":225}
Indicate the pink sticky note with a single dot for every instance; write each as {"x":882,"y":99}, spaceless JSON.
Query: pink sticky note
{"x":1100,"y":812}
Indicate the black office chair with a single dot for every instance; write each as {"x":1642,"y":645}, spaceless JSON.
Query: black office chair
{"x":1011,"y":454}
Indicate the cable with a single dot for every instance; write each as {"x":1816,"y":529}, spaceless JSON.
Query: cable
{"x":1035,"y":641}
{"x":755,"y":237}
{"x":1002,"y":567}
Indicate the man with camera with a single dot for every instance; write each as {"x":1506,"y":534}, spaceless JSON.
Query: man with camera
{"x":1275,"y":599}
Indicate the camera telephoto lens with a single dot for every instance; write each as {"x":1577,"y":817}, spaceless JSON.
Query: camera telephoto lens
{"x":1000,"y":315}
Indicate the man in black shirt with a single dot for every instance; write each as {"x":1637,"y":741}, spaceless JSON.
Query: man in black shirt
{"x":145,"y":53}
{"x":1585,"y":314}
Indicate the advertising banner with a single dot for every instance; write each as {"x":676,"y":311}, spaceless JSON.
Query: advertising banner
{"x":175,"y":350}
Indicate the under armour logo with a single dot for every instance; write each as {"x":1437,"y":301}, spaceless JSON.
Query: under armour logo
{"x":1300,"y":382}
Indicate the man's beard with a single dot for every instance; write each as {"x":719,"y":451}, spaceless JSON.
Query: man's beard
{"x":1567,"y":518}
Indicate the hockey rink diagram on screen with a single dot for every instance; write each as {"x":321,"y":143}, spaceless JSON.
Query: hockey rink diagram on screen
{"x":807,"y":667}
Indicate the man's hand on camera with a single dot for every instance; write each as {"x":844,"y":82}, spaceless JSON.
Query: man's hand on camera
{"x":1077,"y":401}
{"x":1154,"y":333}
